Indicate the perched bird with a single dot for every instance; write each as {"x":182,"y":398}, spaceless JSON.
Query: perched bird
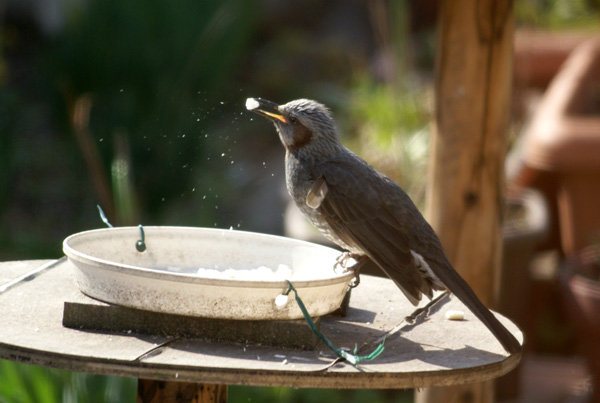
{"x":363,"y":211}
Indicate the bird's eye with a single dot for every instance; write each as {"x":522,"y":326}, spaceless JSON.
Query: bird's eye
{"x":293,"y":120}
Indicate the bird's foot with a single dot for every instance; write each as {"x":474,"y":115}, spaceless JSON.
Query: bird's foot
{"x":342,"y":261}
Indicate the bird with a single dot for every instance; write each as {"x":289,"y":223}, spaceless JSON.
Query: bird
{"x":363,"y":211}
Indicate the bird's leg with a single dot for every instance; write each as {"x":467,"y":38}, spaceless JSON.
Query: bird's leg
{"x":342,"y":260}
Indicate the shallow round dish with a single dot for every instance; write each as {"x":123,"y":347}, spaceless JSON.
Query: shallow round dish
{"x":171,"y":274}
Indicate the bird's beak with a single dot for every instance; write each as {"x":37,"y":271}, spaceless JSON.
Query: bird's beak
{"x":268,"y":109}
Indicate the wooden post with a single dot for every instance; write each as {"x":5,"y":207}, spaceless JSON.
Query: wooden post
{"x":151,"y":391}
{"x":465,"y":195}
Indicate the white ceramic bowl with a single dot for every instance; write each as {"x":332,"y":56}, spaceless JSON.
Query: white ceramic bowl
{"x":165,"y":277}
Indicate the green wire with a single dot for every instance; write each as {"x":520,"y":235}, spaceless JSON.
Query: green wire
{"x":139,"y":245}
{"x":351,"y":358}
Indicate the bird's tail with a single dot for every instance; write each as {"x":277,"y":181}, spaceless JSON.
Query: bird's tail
{"x":467,"y":296}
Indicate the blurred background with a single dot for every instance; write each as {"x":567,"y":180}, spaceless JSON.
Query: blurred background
{"x":139,"y":107}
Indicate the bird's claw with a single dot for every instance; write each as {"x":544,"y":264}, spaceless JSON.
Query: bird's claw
{"x":356,"y":280}
{"x":342,"y":262}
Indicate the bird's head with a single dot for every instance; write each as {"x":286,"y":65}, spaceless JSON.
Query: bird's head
{"x":304,"y":126}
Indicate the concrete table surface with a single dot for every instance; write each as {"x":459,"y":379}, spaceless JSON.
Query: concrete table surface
{"x":428,"y":350}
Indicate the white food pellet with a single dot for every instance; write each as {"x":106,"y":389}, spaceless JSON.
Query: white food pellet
{"x":281,"y":300}
{"x":454,"y":314}
{"x":251,"y":104}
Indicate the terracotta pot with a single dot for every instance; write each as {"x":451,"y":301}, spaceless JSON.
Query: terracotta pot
{"x":580,"y":280}
{"x":562,"y":145}
{"x":538,"y":55}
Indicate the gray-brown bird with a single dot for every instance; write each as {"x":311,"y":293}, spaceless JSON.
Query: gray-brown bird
{"x":363,"y":211}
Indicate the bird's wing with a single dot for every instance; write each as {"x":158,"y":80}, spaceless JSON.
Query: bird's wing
{"x":387,"y":228}
{"x":355,"y":210}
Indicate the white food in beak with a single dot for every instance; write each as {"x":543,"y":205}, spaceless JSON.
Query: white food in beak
{"x":251,"y":104}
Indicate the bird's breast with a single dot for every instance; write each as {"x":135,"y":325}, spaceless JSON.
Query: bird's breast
{"x":299,"y":180}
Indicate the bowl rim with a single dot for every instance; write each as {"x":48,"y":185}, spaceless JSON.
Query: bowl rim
{"x":78,"y":257}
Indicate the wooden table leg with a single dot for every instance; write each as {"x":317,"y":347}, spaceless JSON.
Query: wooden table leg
{"x":468,"y":149}
{"x":151,"y":391}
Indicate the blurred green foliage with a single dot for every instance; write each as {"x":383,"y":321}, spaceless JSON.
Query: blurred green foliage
{"x":391,"y":129}
{"x":149,"y":70}
{"x":8,"y":106}
{"x":21,"y":383}
{"x":143,"y":84}
{"x":389,"y":121}
{"x":558,"y":14}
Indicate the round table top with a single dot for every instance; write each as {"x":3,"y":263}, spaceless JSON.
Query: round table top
{"x":427,"y":351}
